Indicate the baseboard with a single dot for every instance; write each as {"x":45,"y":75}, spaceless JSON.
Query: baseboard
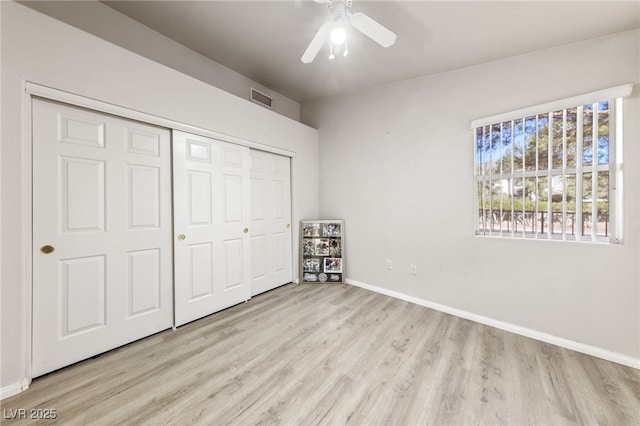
{"x":523,"y":331}
{"x":14,"y":389}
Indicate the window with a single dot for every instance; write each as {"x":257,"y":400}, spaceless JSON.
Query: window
{"x":552,"y":174}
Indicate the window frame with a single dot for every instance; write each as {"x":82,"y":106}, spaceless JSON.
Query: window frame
{"x":615,"y":97}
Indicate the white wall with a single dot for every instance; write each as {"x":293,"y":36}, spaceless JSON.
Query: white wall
{"x":109,"y":24}
{"x":396,"y":162}
{"x":42,"y":50}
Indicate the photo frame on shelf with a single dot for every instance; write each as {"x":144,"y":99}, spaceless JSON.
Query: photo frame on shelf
{"x":322,"y":251}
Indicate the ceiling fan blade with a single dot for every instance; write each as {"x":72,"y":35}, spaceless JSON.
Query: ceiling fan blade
{"x":316,"y":44}
{"x":375,"y":31}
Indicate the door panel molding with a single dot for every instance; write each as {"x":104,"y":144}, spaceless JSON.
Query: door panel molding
{"x":101,"y":237}
{"x":211,"y":212}
{"x":46,"y":92}
{"x":271,"y":243}
{"x":138,"y":142}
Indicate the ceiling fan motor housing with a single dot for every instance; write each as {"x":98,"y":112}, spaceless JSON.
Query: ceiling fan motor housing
{"x":338,"y":9}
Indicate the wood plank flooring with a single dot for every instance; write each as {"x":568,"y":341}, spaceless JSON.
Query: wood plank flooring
{"x":335,"y":355}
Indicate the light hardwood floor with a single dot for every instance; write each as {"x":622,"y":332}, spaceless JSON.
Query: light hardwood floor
{"x":336,"y":354}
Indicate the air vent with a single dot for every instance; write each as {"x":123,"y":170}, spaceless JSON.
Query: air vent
{"x":261,"y":98}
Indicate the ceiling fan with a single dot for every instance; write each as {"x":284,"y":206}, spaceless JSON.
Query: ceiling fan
{"x":340,"y":17}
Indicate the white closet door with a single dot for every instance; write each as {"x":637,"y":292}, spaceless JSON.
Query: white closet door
{"x":211,"y":219}
{"x":271,"y":261}
{"x":102,"y":269}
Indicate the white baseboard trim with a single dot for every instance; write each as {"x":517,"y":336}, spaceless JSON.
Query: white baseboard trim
{"x":14,"y":389}
{"x":512,"y":328}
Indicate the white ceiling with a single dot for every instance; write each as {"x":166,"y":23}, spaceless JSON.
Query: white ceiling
{"x":264,"y":40}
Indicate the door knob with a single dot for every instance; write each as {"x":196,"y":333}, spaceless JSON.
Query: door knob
{"x":47,"y":249}
{"x":245,"y":230}
{"x":288,"y":225}
{"x":181,"y":237}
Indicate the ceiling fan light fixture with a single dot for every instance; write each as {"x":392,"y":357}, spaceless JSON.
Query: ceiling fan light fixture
{"x":338,"y":35}
{"x":333,"y":30}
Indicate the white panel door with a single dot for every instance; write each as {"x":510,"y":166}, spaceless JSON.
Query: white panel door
{"x":271,"y":261}
{"x":211,"y":219}
{"x":102,"y":271}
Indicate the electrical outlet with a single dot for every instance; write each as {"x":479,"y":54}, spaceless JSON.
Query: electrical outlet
{"x":389,"y":264}
{"x":413,"y":269}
